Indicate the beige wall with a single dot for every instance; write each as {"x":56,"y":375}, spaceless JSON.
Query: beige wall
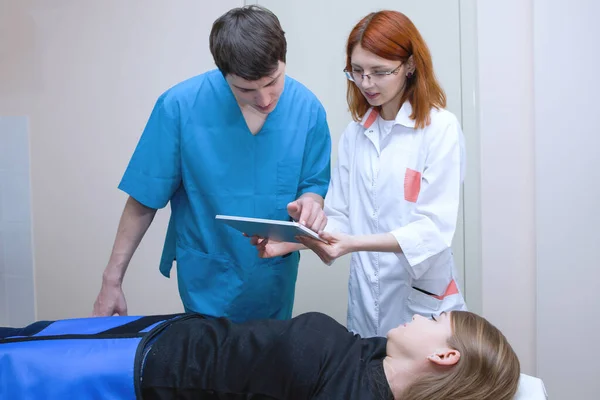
{"x":87,"y":74}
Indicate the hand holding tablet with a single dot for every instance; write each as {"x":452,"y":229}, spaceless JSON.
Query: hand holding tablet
{"x":282,"y":231}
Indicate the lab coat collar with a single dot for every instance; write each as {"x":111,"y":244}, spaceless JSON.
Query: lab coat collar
{"x":402,"y":118}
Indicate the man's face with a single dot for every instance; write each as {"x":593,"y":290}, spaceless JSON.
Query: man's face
{"x":262,"y":94}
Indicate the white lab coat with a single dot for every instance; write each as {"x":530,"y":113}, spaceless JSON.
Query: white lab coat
{"x":408,"y":184}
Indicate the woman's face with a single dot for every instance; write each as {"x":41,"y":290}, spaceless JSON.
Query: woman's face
{"x":377,"y":89}
{"x":420,"y":338}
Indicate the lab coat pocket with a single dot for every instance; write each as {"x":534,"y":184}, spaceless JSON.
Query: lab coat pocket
{"x":412,"y":185}
{"x":422,"y":303}
{"x":288,"y":176}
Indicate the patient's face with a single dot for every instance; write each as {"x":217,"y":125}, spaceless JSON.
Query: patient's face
{"x":420,"y":338}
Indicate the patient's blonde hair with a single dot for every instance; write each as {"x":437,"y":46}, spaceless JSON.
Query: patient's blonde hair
{"x":488,"y":368}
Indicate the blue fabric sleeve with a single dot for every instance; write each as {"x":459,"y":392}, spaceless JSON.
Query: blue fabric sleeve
{"x":154,"y":171}
{"x":316,"y":171}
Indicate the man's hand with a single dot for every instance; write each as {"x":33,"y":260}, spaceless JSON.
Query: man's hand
{"x":110,"y":301}
{"x":308,"y":212}
{"x":134,"y":223}
{"x":271,"y":248}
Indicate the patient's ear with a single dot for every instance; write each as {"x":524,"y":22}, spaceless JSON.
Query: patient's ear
{"x":445,"y":357}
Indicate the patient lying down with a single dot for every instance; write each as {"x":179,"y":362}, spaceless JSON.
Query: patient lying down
{"x":456,"y":355}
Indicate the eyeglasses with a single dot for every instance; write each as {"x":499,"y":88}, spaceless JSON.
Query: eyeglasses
{"x":358,"y":76}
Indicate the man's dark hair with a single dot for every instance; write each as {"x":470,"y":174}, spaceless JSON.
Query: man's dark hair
{"x":248,"y":42}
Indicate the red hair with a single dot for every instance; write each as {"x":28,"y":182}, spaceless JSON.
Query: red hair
{"x":393,"y":36}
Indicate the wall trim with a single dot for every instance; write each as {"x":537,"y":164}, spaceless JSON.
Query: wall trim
{"x":472,"y":185}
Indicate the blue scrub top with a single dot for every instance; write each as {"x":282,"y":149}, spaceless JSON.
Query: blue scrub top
{"x":198,"y":153}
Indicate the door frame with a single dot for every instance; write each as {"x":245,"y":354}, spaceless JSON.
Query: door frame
{"x":472,"y":185}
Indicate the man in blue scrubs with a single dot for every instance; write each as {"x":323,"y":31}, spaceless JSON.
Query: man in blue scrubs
{"x":244,"y":139}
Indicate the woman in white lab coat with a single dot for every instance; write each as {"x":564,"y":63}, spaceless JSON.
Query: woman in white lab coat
{"x":394,"y":194}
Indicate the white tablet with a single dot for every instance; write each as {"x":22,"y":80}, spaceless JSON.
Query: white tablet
{"x":282,"y":231}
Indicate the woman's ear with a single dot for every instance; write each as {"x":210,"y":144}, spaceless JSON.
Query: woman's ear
{"x":445,"y":357}
{"x":410,"y":65}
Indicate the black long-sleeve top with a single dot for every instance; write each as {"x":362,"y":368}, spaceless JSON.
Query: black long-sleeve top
{"x":308,"y":357}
